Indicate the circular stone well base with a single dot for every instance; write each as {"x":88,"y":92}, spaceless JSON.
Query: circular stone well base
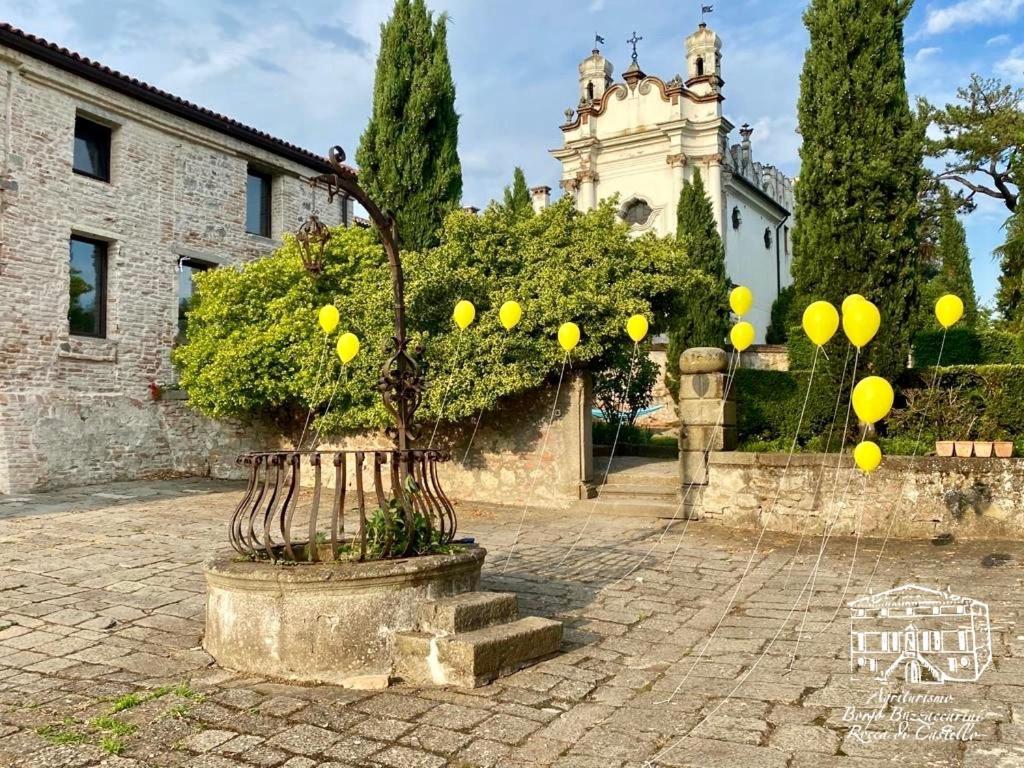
{"x":324,"y":622}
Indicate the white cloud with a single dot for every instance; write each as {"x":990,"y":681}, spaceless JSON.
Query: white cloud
{"x":1012,"y":67}
{"x":970,"y":13}
{"x":924,"y":53}
{"x":998,"y":40}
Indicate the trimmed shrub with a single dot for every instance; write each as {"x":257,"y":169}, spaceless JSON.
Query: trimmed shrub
{"x":965,"y":346}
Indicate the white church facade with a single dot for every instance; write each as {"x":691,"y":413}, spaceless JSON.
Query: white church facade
{"x":640,"y":139}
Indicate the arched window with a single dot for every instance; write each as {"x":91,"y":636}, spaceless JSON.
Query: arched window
{"x":737,"y":217}
{"x":700,"y":66}
{"x":636,"y":212}
{"x":767,"y":237}
{"x":590,"y":90}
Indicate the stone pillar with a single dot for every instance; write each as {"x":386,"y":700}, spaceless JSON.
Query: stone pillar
{"x":587,"y":200}
{"x":705,"y":422}
{"x":713,"y":182}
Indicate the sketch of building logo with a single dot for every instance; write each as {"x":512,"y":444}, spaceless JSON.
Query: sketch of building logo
{"x":920,"y":635}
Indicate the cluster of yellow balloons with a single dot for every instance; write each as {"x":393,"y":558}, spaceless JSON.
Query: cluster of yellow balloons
{"x":741,"y":299}
{"x":348,"y":343}
{"x":511,"y":312}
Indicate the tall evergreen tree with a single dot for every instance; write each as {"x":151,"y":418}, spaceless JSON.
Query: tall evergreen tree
{"x":954,"y":260}
{"x":408,"y":155}
{"x":517,"y":196}
{"x":703,"y":319}
{"x":1010,"y":294}
{"x":857,"y":200}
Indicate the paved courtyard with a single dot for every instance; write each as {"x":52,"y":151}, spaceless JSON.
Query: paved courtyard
{"x":101,"y":618}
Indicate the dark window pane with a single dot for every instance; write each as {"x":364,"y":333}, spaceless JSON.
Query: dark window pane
{"x":92,"y":149}
{"x":636,"y":212}
{"x":186,"y":289}
{"x":87,"y":287}
{"x":257,"y":203}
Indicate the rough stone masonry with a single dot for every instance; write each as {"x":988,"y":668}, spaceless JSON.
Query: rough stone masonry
{"x":76,"y":409}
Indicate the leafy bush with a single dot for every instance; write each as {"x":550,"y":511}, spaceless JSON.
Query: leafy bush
{"x":616,"y":392}
{"x":782,"y":316}
{"x":966,"y":346}
{"x":253,"y":346}
{"x":768,"y":405}
{"x":603,"y":433}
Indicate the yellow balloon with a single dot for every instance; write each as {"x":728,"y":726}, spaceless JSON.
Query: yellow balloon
{"x":948,"y":310}
{"x":328,"y":318}
{"x":742,"y":335}
{"x":464,"y":314}
{"x":860,"y":322}
{"x":821,"y":321}
{"x":636,"y":327}
{"x":510,"y":314}
{"x":867,"y":456}
{"x":851,"y":299}
{"x":741,"y":300}
{"x":569,"y":336}
{"x":872,"y":399}
{"x":348,"y":347}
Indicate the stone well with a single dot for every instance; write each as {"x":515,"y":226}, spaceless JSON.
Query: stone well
{"x":324,"y":622}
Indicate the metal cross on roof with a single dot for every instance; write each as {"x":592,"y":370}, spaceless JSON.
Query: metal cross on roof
{"x":633,"y":41}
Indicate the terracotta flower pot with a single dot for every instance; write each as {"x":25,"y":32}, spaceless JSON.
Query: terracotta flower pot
{"x":943,"y":447}
{"x":983,"y":448}
{"x":1004,"y":449}
{"x":963,"y":448}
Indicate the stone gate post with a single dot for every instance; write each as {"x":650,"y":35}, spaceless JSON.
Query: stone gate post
{"x":706,"y":421}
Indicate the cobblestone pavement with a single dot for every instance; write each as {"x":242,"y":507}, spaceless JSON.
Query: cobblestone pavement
{"x":101,"y":615}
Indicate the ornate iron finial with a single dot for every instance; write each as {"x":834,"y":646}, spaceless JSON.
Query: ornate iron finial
{"x":633,"y":41}
{"x":569,"y":113}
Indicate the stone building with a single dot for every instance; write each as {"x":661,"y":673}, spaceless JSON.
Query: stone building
{"x":641,"y":138}
{"x":112,"y":194}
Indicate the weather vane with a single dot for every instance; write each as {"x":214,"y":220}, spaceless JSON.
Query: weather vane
{"x":598,"y":40}
{"x":704,"y":10}
{"x":633,"y":41}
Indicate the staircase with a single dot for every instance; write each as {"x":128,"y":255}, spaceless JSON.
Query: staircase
{"x":470,"y":639}
{"x":639,"y":487}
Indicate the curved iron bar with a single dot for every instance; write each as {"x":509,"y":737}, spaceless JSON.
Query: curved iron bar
{"x":274,"y":495}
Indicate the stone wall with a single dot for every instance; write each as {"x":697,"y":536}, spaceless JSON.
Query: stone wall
{"x":929,"y":495}
{"x":765,"y":357}
{"x":74,"y":409}
{"x":520,"y":455}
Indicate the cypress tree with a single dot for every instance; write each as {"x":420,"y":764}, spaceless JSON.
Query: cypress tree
{"x":857,"y":198}
{"x":954,"y":259}
{"x":702,"y":320}
{"x":1010,"y":294}
{"x":408,"y":155}
{"x":517,"y":196}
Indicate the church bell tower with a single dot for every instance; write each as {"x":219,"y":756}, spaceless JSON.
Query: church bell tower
{"x":704,"y":61}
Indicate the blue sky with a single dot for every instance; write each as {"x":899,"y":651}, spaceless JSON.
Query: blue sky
{"x":303,"y":70}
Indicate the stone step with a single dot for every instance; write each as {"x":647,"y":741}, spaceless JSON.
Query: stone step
{"x":642,"y":490}
{"x":466,"y":612}
{"x":632,"y":507}
{"x":472,"y":659}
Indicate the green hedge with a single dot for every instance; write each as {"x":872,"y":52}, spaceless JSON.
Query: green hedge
{"x":979,"y":402}
{"x":965,"y":346}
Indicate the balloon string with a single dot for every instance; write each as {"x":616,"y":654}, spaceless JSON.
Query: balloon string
{"x":540,"y":458}
{"x":824,"y":456}
{"x":853,"y":560}
{"x":730,"y":371}
{"x":624,"y":402}
{"x":447,"y":387}
{"x":826,"y":533}
{"x":472,"y":437}
{"x":316,"y":386}
{"x":917,"y":440}
{"x":757,"y":544}
{"x":320,"y":421}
